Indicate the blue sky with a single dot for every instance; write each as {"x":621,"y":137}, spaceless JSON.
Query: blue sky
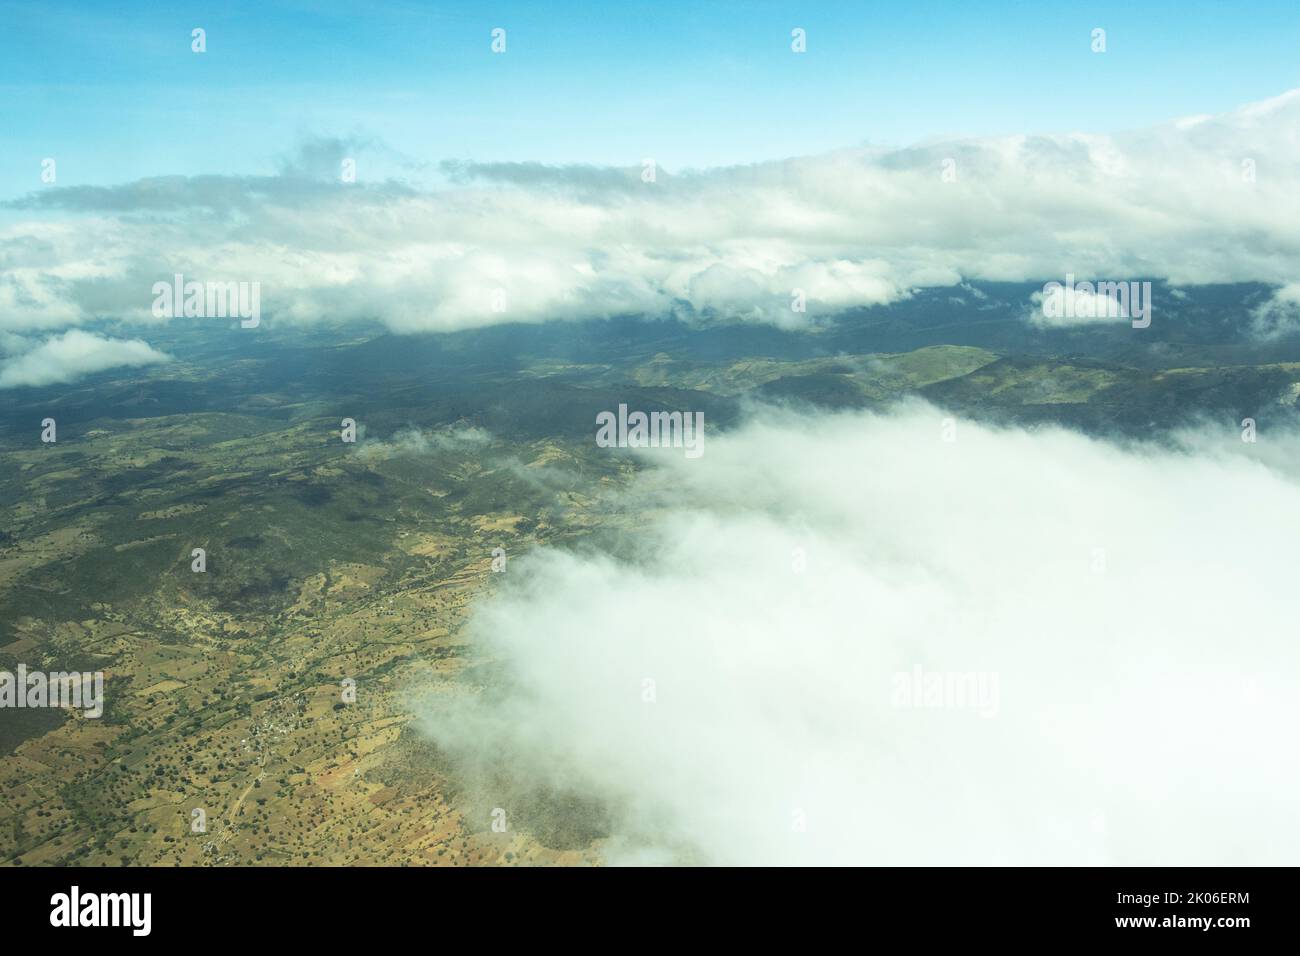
{"x":113,"y":92}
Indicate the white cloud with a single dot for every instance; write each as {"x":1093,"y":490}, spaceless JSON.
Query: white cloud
{"x":1280,"y":315}
{"x":1147,"y":673}
{"x":70,"y":356}
{"x":415,"y":442}
{"x":857,"y":227}
{"x":1066,"y":306}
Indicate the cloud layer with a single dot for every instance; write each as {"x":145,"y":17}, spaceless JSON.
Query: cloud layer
{"x":1209,"y":199}
{"x":70,"y":356}
{"x":730,"y":688}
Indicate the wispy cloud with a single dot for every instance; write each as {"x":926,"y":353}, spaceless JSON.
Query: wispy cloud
{"x":1280,"y":315}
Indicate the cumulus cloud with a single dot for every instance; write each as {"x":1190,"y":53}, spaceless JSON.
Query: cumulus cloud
{"x":842,"y":639}
{"x":1066,"y":305}
{"x":489,"y":243}
{"x":70,"y":356}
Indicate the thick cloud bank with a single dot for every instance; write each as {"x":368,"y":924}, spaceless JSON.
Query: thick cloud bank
{"x":1208,"y":199}
{"x":844,"y":639}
